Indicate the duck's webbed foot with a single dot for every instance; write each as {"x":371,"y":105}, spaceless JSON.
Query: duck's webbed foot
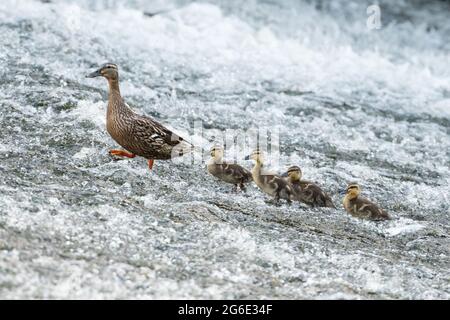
{"x":271,"y":201}
{"x":121,"y":153}
{"x":277,"y":199}
{"x":150,"y":163}
{"x":242,"y":187}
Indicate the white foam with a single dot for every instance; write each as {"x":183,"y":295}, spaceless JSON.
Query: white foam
{"x":199,"y":61}
{"x":94,"y":112}
{"x":403,"y":226}
{"x":84,"y":153}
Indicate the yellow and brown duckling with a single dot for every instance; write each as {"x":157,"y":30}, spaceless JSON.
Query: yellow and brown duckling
{"x":307,"y":191}
{"x":228,"y":172}
{"x":271,"y":184}
{"x":361,"y":207}
{"x":139,"y":135}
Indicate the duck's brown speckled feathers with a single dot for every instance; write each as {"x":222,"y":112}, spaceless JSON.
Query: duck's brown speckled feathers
{"x":271,"y":184}
{"x":227,"y":172}
{"x":361,"y":207}
{"x":231,"y":173}
{"x":311,"y":194}
{"x":138,"y":134}
{"x":275,"y":186}
{"x":147,"y":138}
{"x":307,"y":191}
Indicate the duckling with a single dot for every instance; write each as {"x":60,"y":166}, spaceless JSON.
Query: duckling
{"x":139,"y":135}
{"x":271,"y":184}
{"x":307,"y":191}
{"x":228,"y":172}
{"x":361,"y":207}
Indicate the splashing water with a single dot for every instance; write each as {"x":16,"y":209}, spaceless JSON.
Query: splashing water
{"x":349,"y":103}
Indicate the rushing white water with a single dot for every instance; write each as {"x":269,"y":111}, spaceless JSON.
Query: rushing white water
{"x":349,"y":103}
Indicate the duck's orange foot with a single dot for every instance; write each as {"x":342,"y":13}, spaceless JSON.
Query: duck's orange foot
{"x":121,"y":153}
{"x":150,"y":163}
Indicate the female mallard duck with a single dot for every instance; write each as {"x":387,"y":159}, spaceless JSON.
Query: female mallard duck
{"x":361,"y":207}
{"x":306,"y":191}
{"x":138,"y":134}
{"x":228,"y":172}
{"x":271,"y":184}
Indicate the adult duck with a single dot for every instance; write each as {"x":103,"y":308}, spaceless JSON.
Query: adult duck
{"x":138,"y":134}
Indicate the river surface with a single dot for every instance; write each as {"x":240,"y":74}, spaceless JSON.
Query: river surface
{"x":350,"y":103}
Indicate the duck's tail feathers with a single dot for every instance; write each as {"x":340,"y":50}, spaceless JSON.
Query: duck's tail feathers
{"x":198,"y":149}
{"x":185,"y":148}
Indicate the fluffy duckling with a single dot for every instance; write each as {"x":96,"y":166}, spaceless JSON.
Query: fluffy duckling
{"x":228,"y":172}
{"x":271,"y":184}
{"x":138,"y":134}
{"x":361,"y":207}
{"x":307,"y":191}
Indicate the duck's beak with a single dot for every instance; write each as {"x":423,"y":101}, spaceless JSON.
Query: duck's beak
{"x":284,"y":175}
{"x":342,"y":191}
{"x":247,"y":157}
{"x":94,"y":74}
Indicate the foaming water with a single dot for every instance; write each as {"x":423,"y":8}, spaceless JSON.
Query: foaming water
{"x":350,"y":104}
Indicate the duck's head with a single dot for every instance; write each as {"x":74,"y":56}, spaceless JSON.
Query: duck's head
{"x":256,"y":155}
{"x":107,"y":70}
{"x":217,"y":152}
{"x":294,"y":173}
{"x":353,"y":190}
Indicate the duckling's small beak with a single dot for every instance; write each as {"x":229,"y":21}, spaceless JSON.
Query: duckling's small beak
{"x":247,"y":157}
{"x":284,"y":175}
{"x":342,"y":191}
{"x":94,"y":74}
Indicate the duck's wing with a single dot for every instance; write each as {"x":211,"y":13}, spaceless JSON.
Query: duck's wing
{"x":303,"y":194}
{"x":237,"y":171}
{"x":153,"y":130}
{"x":281,"y":187}
{"x":314,"y":195}
{"x":370,"y":210}
{"x":157,"y":137}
